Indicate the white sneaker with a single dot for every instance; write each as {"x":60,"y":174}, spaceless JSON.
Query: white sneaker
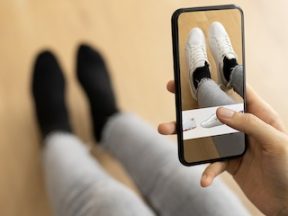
{"x":221,"y":47}
{"x":196,"y":54}
{"x":189,"y":124}
{"x":210,"y":122}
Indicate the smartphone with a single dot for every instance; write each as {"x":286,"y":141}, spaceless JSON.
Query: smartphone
{"x":209,"y":72}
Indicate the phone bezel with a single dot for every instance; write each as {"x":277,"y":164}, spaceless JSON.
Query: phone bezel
{"x":178,"y":101}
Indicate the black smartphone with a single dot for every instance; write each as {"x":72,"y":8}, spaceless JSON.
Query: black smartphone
{"x":209,"y":72}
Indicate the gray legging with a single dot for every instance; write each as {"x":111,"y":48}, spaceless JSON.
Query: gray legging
{"x":77,"y":185}
{"x":209,"y":93}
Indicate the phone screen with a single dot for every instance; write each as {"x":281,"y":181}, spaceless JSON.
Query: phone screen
{"x":208,"y":47}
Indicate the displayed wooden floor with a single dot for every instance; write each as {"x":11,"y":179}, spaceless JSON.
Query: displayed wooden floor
{"x":230,"y":19}
{"x":135,"y":37}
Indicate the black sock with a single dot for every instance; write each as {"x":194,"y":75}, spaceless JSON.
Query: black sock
{"x":228,"y":66}
{"x":200,"y":73}
{"x":94,"y":78}
{"x":48,"y":89}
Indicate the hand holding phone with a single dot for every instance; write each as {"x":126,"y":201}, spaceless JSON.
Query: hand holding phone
{"x":263,"y":168}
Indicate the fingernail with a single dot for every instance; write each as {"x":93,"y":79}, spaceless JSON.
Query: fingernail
{"x":205,"y":180}
{"x":225,"y":113}
{"x":204,"y":176}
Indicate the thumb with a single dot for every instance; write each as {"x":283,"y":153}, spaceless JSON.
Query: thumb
{"x":248,"y":123}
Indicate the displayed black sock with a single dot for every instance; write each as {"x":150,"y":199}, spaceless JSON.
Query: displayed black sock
{"x":228,"y":66}
{"x":200,"y":73}
{"x":48,"y":89}
{"x":94,"y":78}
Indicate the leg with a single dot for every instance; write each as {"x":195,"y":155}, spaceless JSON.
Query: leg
{"x":209,"y":94}
{"x":237,"y":80}
{"x":77,"y":185}
{"x":151,"y":159}
{"x":230,"y":73}
{"x":171,"y":188}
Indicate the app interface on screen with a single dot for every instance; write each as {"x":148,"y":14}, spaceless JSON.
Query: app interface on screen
{"x":211,"y":76}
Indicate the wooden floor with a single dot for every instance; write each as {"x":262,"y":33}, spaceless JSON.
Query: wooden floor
{"x":135,"y":37}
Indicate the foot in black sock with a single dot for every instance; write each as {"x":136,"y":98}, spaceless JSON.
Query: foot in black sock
{"x":228,"y":66}
{"x":94,"y":78}
{"x":201,"y":73}
{"x":48,"y":89}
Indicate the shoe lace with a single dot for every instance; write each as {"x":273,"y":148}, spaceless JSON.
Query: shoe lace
{"x":198,"y":54}
{"x":224,"y":45}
